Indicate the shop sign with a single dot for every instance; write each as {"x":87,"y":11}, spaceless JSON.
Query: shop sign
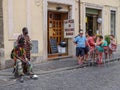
{"x":69,"y":28}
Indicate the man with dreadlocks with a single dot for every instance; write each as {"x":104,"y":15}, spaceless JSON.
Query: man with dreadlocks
{"x":27,"y":42}
{"x":19,"y":56}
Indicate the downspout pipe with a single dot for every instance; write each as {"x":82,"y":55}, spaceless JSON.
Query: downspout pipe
{"x":79,"y":13}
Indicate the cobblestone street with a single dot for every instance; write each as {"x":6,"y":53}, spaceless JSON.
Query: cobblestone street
{"x":104,"y":77}
{"x":59,"y":45}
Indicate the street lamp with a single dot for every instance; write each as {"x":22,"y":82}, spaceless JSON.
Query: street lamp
{"x":59,"y":7}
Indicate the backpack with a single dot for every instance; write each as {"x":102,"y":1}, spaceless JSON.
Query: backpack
{"x":11,"y":54}
{"x":21,"y":40}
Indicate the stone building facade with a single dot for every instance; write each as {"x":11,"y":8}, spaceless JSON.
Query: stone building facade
{"x":45,"y":21}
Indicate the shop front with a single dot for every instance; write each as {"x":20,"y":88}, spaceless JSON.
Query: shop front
{"x":46,"y":19}
{"x":56,"y":44}
{"x":93,"y":23}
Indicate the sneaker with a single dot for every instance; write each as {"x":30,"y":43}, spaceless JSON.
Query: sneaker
{"x":100,"y":62}
{"x":80,"y":62}
{"x":21,"y":79}
{"x":95,"y":63}
{"x":85,"y":61}
{"x":34,"y":77}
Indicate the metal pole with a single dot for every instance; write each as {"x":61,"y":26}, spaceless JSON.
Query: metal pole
{"x":79,"y":13}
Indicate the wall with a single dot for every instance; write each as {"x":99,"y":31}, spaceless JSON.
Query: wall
{"x":113,"y":3}
{"x":13,"y":26}
{"x":37,"y":24}
{"x":1,"y":25}
{"x":106,"y":6}
{"x":18,"y":14}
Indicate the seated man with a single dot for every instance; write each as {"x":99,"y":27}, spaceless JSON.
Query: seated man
{"x":19,"y":56}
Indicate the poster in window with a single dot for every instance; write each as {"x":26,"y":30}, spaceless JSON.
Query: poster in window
{"x":69,"y":28}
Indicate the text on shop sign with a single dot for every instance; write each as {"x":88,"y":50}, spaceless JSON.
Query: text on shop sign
{"x":69,"y":28}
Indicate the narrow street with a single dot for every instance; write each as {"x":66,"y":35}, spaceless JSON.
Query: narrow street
{"x":50,"y":36}
{"x":104,"y":77}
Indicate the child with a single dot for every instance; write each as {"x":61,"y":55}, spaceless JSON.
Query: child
{"x":19,"y":56}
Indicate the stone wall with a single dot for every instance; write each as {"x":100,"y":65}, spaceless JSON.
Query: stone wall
{"x":1,"y":25}
{"x":2,"y":61}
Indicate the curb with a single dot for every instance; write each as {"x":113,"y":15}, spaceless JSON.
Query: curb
{"x":41,"y":72}
{"x":76,"y":67}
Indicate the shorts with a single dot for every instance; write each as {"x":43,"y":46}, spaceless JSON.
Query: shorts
{"x":86,"y":50}
{"x":80,"y":51}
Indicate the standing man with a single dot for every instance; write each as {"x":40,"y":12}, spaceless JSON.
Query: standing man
{"x":80,"y":42}
{"x":27,"y":43}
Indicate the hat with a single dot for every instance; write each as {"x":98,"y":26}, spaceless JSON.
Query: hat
{"x":81,"y":31}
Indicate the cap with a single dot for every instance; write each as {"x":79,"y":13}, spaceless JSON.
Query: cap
{"x":80,"y":31}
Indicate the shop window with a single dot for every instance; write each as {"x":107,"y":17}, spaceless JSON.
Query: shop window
{"x":92,"y":26}
{"x":113,"y":23}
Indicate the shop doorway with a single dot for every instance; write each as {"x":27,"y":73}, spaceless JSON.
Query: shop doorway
{"x":92,"y":25}
{"x":56,"y":34}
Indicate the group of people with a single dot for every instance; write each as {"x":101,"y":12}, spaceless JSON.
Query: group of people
{"x":21,"y":56}
{"x":93,"y":44}
{"x":85,"y":46}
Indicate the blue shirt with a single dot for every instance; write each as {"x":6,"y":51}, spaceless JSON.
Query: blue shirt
{"x":81,"y":41}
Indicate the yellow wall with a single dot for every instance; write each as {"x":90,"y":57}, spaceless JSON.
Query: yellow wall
{"x":5,"y":18}
{"x":106,"y":5}
{"x":36,"y":22}
{"x":118,"y":26}
{"x":19,"y":15}
{"x":20,"y":21}
{"x":103,"y":2}
{"x":52,"y":6}
{"x":37,"y":25}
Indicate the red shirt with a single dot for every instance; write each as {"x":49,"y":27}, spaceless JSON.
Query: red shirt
{"x":91,"y":42}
